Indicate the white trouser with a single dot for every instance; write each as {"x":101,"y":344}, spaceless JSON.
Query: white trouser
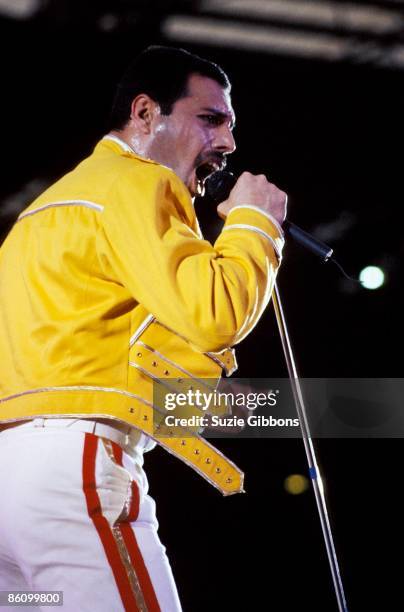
{"x":75,"y":517}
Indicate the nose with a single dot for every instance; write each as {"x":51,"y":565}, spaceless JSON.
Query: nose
{"x":224,"y":140}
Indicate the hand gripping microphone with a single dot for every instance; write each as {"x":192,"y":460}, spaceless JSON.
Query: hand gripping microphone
{"x":218,"y":187}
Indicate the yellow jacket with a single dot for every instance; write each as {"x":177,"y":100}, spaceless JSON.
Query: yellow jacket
{"x":107,"y":283}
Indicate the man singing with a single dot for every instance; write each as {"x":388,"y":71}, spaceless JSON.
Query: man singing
{"x":106,"y":286}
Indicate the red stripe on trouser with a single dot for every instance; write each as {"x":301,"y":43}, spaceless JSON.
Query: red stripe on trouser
{"x":102,"y":526}
{"x":140,"y":567}
{"x":132,"y":545}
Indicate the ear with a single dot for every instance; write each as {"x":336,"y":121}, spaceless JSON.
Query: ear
{"x":143,"y":111}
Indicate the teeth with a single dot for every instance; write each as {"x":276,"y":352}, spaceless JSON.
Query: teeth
{"x":205,"y":169}
{"x":200,"y":188}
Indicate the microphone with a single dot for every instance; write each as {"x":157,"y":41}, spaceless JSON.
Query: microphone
{"x":218,"y":187}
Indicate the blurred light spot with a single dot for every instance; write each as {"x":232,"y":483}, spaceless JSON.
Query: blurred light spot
{"x":295,"y":484}
{"x":335,"y":229}
{"x":108,"y":22}
{"x":372,"y":277}
{"x":19,"y":9}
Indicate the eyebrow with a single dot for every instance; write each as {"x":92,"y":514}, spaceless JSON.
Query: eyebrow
{"x":223,"y":116}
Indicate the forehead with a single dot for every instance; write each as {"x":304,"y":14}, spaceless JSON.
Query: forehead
{"x":203,"y":93}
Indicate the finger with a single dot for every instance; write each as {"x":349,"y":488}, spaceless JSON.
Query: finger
{"x":222,"y":210}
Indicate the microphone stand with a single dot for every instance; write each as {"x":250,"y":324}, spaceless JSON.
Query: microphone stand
{"x":310,"y":453}
{"x":219,"y":187}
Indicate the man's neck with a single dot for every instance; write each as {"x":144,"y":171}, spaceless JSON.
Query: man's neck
{"x":131,"y":140}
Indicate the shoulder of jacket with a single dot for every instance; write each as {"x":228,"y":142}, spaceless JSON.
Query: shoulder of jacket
{"x":132,"y":166}
{"x":97,"y":181}
{"x":145,"y":177}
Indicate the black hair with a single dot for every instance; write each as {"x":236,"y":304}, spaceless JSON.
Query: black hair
{"x":162,"y":73}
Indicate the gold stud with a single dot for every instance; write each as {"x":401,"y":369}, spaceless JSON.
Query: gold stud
{"x":218,"y":470}
{"x":228,"y":480}
{"x":145,"y":417}
{"x":139,"y":354}
{"x":166,"y":372}
{"x":197,"y":451}
{"x":208,"y":460}
{"x":154,"y":363}
{"x":183,"y":442}
{"x":131,"y":410}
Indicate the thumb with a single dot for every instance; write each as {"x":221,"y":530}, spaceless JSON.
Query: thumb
{"x":223,"y":209}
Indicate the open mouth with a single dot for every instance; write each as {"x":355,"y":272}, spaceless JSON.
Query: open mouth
{"x":203,"y":171}
{"x":206,"y":169}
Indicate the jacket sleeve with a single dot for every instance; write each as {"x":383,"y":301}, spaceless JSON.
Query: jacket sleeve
{"x":211,"y":295}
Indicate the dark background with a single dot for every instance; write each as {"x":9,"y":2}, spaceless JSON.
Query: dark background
{"x":331,"y":135}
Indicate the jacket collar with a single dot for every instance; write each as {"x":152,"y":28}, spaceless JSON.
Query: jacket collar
{"x":124,"y":146}
{"x":118,"y":145}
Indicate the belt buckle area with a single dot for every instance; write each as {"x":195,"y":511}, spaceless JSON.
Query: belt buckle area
{"x":38,"y":422}
{"x":62,"y":423}
{"x":112,"y":430}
